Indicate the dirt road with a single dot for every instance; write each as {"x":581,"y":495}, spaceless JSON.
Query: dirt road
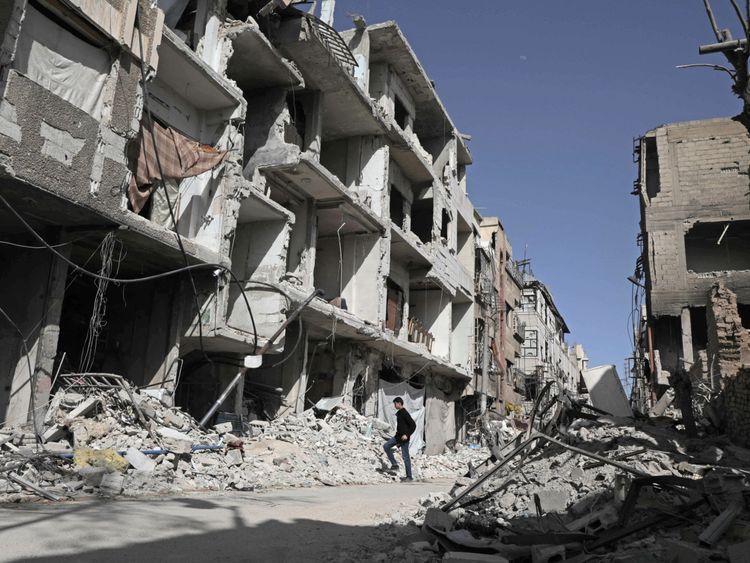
{"x":288,"y":525}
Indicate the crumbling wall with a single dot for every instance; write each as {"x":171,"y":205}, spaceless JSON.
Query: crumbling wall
{"x":692,"y":171}
{"x":440,"y":416}
{"x":728,"y":342}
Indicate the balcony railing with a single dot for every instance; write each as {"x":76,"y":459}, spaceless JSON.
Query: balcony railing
{"x":419,"y":334}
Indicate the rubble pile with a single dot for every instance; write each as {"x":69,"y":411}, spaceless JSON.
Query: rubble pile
{"x":670,"y":499}
{"x":129,"y":442}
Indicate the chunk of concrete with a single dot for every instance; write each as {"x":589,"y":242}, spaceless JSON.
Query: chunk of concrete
{"x":175,"y":440}
{"x":58,"y":448}
{"x":606,"y":390}
{"x":233,"y":457}
{"x":112,"y":483}
{"x":139,"y":460}
{"x":173,"y":419}
{"x":596,"y":521}
{"x":92,"y":476}
{"x":436,"y":518}
{"x":54,"y":433}
{"x":223,"y":427}
{"x":84,"y":408}
{"x":553,"y":500}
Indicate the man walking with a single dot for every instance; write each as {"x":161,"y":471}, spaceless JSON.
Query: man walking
{"x":405,"y":427}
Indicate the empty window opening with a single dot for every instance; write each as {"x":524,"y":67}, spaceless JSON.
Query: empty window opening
{"x":530,"y":388}
{"x":699,"y":328}
{"x":445,"y":220}
{"x":399,"y":112}
{"x":719,"y":246}
{"x":397,"y":207}
{"x":179,"y":16}
{"x":394,"y":312}
{"x":294,"y":133}
{"x":653,"y":180}
{"x":744,"y":312}
{"x":421,"y":219}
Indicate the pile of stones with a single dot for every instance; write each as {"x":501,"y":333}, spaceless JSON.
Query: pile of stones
{"x":111,"y":443}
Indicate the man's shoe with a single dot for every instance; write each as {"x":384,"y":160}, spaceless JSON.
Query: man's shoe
{"x":394,"y":467}
{"x":406,"y":479}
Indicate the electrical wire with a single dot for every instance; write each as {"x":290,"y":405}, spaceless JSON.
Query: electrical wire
{"x":29,"y":247}
{"x":161,"y":275}
{"x":97,"y":321}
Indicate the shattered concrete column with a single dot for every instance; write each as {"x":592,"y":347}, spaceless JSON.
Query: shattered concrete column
{"x":314,"y":134}
{"x":48,"y":337}
{"x":299,"y":404}
{"x":374,"y":361}
{"x":293,"y":385}
{"x":687,"y":338}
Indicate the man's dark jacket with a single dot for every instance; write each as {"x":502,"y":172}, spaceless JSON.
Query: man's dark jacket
{"x":405,"y":424}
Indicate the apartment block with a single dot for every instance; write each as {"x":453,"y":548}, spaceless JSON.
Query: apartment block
{"x":196,"y":171}
{"x":545,"y":353}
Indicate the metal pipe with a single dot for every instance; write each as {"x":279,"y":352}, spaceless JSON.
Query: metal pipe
{"x":723,"y":46}
{"x":240,"y":374}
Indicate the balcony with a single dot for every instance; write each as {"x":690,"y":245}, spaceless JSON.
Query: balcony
{"x":414,"y":161}
{"x":408,"y":249}
{"x":307,"y":178}
{"x":255,"y":63}
{"x":326,"y":65}
{"x":320,"y":316}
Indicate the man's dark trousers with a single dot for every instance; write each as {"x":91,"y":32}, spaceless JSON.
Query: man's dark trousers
{"x":388,"y":447}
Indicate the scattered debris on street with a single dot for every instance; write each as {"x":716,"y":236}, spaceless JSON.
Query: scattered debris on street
{"x":635,"y":490}
{"x":107,"y":442}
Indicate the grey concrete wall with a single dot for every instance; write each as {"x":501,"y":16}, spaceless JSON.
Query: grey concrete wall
{"x":694,"y":171}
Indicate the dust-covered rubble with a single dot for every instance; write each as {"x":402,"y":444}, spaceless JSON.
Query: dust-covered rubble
{"x":682,"y":500}
{"x":97,"y":443}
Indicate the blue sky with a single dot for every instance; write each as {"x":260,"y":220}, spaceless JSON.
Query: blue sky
{"x":553,"y":93}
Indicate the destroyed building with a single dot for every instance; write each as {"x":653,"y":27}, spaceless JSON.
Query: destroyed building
{"x":163,"y":233}
{"x":695,"y":264}
{"x":509,"y":333}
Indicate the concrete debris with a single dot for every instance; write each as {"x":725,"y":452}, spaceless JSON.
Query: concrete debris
{"x":106,"y":449}
{"x":549,"y":503}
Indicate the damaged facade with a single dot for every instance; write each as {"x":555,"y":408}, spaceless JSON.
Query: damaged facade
{"x":545,"y":353}
{"x":164,"y":230}
{"x":695,"y":268}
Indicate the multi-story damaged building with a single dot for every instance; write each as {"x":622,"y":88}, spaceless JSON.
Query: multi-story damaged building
{"x":163,"y":229}
{"x":509,"y":332}
{"x":695,"y":229}
{"x":545,"y":354}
